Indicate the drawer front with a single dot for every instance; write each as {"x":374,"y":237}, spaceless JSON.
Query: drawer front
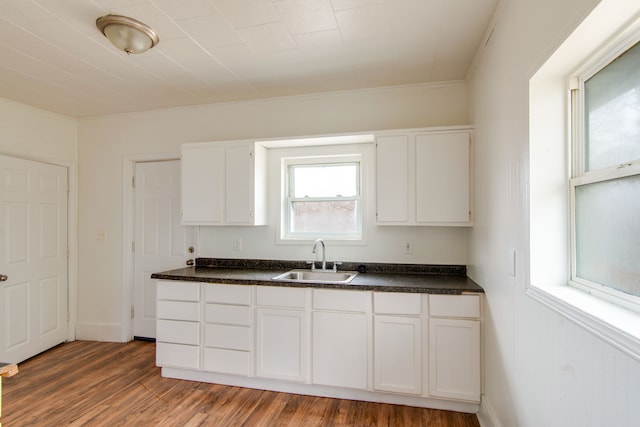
{"x":228,"y":336}
{"x":178,"y":291}
{"x":227,"y":361}
{"x":228,"y":314}
{"x":228,"y":294}
{"x":397,"y":303}
{"x":178,"y":332}
{"x":274,"y":296}
{"x":178,"y":310}
{"x":454,"y":306}
{"x":178,"y":355}
{"x":328,"y":299}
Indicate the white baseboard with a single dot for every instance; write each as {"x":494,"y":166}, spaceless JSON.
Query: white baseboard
{"x":487,"y":416}
{"x":108,"y":332}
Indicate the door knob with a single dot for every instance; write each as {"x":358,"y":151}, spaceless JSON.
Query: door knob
{"x":3,"y":277}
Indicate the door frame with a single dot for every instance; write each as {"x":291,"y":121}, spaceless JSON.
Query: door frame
{"x":128,"y":223}
{"x":72,"y":234}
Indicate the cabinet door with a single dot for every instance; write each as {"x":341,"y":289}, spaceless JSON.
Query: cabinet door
{"x":239,"y":184}
{"x":454,"y":359}
{"x":340,"y":349}
{"x":282,"y":344}
{"x":442,"y":178}
{"x":202,"y":171}
{"x":392,"y":184}
{"x":397,"y":354}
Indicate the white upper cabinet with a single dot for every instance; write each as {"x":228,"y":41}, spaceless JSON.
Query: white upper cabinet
{"x":423,"y":178}
{"x":224,"y":183}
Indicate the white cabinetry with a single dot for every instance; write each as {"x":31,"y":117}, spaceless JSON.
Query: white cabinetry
{"x":341,"y":338}
{"x":178,"y":324}
{"x":404,"y":348}
{"x":454,"y":347}
{"x":282,"y":333}
{"x":224,"y":183}
{"x":397,"y":337}
{"x":228,"y":333}
{"x":423,"y":178}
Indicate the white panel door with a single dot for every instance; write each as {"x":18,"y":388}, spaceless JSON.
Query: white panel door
{"x":33,"y":257}
{"x":161,"y":242}
{"x":442,"y":178}
{"x":392,"y":184}
{"x":340,"y":349}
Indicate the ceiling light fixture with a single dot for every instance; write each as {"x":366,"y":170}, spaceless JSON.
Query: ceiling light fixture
{"x":127,"y":34}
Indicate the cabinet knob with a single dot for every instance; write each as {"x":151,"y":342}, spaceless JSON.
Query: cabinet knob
{"x":3,"y":277}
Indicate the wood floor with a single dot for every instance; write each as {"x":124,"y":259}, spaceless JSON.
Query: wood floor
{"x":95,"y":384}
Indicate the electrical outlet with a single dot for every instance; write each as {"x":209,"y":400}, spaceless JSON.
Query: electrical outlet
{"x":408,"y":246}
{"x":237,"y":245}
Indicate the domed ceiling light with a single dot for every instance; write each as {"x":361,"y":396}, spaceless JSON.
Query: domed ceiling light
{"x":127,"y":34}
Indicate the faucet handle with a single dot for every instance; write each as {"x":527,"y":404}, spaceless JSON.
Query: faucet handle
{"x":335,"y":265}
{"x":313,"y":264}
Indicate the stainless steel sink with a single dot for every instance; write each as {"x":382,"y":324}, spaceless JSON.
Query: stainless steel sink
{"x":317,"y":276}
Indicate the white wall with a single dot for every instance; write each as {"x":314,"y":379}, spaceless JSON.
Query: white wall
{"x":104,"y":142}
{"x":540,"y":368}
{"x":32,"y":133}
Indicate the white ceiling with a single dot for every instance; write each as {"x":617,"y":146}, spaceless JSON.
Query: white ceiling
{"x":52,"y":56}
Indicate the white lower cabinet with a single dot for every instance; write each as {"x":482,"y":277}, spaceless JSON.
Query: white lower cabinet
{"x":282,"y":333}
{"x":397,"y":337}
{"x":454,"y":347}
{"x":178,"y":324}
{"x":341,"y":338}
{"x":399,"y":347}
{"x":228,"y":329}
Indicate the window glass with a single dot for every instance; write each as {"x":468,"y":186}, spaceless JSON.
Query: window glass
{"x":323,"y":199}
{"x":324,"y":180}
{"x":607,"y":226}
{"x":612,"y":106}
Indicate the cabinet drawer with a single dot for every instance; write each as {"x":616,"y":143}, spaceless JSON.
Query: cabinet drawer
{"x":227,"y":361}
{"x":178,"y":310}
{"x":328,"y":299}
{"x":228,"y":294}
{"x":179,"y":355}
{"x":228,"y":336}
{"x":178,"y":291}
{"x":454,"y":306}
{"x":228,"y":314}
{"x":178,"y":332}
{"x":397,"y":303}
{"x":281,"y":297}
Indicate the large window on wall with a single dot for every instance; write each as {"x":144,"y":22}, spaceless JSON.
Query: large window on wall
{"x":605,"y":178}
{"x":322,"y":198}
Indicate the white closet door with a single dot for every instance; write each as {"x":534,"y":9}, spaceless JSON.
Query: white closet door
{"x":33,"y":257}
{"x":161,"y":242}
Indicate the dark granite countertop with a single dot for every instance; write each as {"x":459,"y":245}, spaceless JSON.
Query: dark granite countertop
{"x":410,"y":278}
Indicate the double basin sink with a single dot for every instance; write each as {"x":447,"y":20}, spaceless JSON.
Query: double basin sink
{"x":315,"y":276}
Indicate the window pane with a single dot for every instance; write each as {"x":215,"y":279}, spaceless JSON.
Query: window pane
{"x":612,"y":113}
{"x":325,"y":180}
{"x":608,"y":232}
{"x":324,"y":217}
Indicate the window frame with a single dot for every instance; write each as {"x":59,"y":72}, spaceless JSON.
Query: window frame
{"x":578,"y":175}
{"x":286,"y":235}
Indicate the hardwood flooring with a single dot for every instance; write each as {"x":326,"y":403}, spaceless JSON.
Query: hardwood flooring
{"x":94,"y":384}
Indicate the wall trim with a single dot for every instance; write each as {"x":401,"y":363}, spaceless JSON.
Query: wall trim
{"x":487,"y":415}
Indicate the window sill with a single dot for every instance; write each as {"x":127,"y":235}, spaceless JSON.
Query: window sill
{"x":613,"y":324}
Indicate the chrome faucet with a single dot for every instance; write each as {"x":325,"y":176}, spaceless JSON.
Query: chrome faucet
{"x":324,"y":258}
